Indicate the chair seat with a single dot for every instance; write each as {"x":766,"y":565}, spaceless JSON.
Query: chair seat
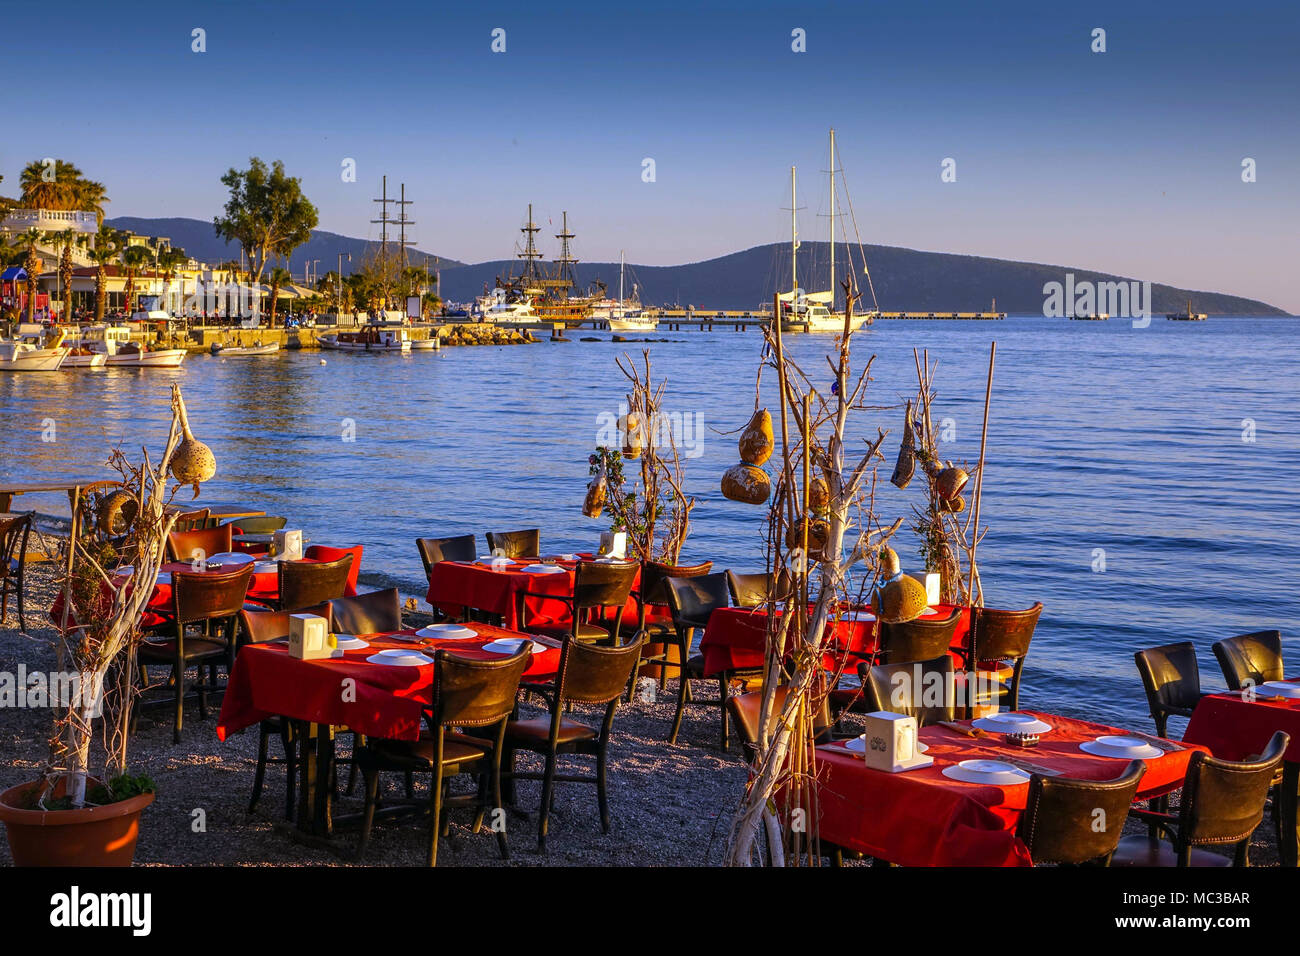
{"x":196,"y":648}
{"x":537,"y":732}
{"x":1140,"y":851}
{"x":586,"y":631}
{"x":657,"y":631}
{"x":418,"y":754}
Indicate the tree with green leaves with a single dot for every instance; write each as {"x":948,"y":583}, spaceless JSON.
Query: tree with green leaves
{"x":278,"y":277}
{"x":134,"y":259}
{"x":267,"y":214}
{"x":32,"y":262}
{"x":61,"y":186}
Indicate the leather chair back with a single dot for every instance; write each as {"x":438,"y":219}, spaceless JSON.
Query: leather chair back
{"x":476,"y":693}
{"x":322,"y":552}
{"x":183,"y":545}
{"x":304,"y":583}
{"x":1171,"y":678}
{"x":516,"y":544}
{"x":376,"y":612}
{"x":1223,"y":800}
{"x":433,"y":550}
{"x":919,"y":640}
{"x":921,"y":689}
{"x":746,"y":708}
{"x":1253,"y":658}
{"x":692,"y":600}
{"x":998,"y":635}
{"x":1060,"y":822}
{"x":203,"y":596}
{"x":754,"y":590}
{"x":258,"y":524}
{"x":590,"y":674}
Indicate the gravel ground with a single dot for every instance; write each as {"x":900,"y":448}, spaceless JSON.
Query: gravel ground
{"x":670,"y":803}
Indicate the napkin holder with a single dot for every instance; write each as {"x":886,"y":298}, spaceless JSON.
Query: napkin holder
{"x":308,"y":637}
{"x":613,"y":544}
{"x":933,"y":587}
{"x":891,"y":743}
{"x":288,"y":545}
{"x":495,"y":561}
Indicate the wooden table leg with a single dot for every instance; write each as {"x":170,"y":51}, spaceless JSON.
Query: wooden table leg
{"x":1288,"y":851}
{"x":6,"y":501}
{"x":316,"y":787}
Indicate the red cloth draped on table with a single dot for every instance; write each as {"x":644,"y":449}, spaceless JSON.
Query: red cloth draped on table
{"x":922,"y":818}
{"x":736,"y":637}
{"x":454,"y":585}
{"x":1233,"y":728}
{"x":384,"y":700}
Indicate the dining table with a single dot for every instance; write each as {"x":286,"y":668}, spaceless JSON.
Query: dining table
{"x":736,"y":637}
{"x":355,"y":692}
{"x":1236,"y":725}
{"x":922,"y":817}
{"x":522,"y":593}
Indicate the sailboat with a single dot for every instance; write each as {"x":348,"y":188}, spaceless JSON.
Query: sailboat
{"x":628,"y":316}
{"x":812,"y":311}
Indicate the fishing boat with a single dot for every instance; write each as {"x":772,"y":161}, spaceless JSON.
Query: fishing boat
{"x":1187,"y":316}
{"x":813,"y":311}
{"x":21,"y":354}
{"x":628,"y":316}
{"x":81,"y":357}
{"x":114,"y":342}
{"x":241,"y":351}
{"x":369,"y":338}
{"x":431,"y":344}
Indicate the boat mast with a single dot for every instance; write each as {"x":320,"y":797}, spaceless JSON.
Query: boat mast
{"x":794,"y":241}
{"x":565,"y":275}
{"x":530,"y":254}
{"x":620,"y":278}
{"x":832,"y":219}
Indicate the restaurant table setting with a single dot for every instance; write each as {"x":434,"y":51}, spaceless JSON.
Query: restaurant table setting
{"x":736,"y":637}
{"x":392,"y":677}
{"x":962,"y":804}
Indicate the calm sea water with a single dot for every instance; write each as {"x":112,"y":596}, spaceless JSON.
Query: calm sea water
{"x":1102,"y":436}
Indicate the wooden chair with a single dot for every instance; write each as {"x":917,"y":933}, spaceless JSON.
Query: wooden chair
{"x":1221,"y":804}
{"x":188,"y":546}
{"x":1002,"y":636}
{"x":588,"y":674}
{"x":193,"y":521}
{"x":1061,"y":820}
{"x":754,"y":590}
{"x":746,"y":709}
{"x":516,"y":544}
{"x":206,"y":598}
{"x":691,"y":602}
{"x":653,"y":593}
{"x":598,"y":590}
{"x":1250,"y":659}
{"x":305,"y":583}
{"x":909,"y":687}
{"x":14,"y":531}
{"x":466,"y":693}
{"x":433,"y":550}
{"x":321,"y":552}
{"x":1172,"y":680}
{"x":376,"y":612}
{"x":258,"y":524}
{"x":920,"y":640}
{"x":259,"y":627}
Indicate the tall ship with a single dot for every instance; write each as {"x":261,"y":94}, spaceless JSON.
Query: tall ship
{"x":549,"y":293}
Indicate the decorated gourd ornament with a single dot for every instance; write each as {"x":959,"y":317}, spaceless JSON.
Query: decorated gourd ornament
{"x":955,"y":505}
{"x":756,"y":441}
{"x":116,"y":513}
{"x":951,"y":481}
{"x":905,"y":466}
{"x":633,"y":440}
{"x":889,"y":564}
{"x":902,"y":599}
{"x":747,"y":484}
{"x":594,"y":503}
{"x":819,"y":533}
{"x":193,"y":461}
{"x":819,"y":495}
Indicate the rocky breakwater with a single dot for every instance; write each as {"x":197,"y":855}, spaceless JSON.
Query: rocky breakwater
{"x":482,"y":333}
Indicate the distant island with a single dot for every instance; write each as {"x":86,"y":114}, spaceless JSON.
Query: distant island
{"x":904,"y":279}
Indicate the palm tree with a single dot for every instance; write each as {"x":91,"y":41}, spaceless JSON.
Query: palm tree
{"x":169,"y":262}
{"x":32,"y":263}
{"x":66,"y":188}
{"x":107,"y":247}
{"x":134,"y":259}
{"x":278,"y":277}
{"x":65,"y":273}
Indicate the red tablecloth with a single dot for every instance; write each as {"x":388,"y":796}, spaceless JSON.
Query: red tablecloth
{"x":922,"y":818}
{"x":455,"y":585}
{"x":736,"y":637}
{"x":1233,"y":728}
{"x":386,"y":701}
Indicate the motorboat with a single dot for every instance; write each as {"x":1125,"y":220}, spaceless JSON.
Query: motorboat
{"x":26,"y":353}
{"x":369,"y":338}
{"x":114,"y":342}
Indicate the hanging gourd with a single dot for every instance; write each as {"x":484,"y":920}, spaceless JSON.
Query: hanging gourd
{"x":192,"y":462}
{"x":905,"y":466}
{"x":819,"y":533}
{"x":900,"y":600}
{"x":594,"y":503}
{"x":756,"y":441}
{"x":116,"y":513}
{"x":633,"y":439}
{"x":819,"y":495}
{"x":747,"y":484}
{"x":889,"y":564}
{"x":951,"y":481}
{"x":955,"y":505}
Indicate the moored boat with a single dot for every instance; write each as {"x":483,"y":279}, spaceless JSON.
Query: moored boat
{"x":114,"y":342}
{"x":369,"y":338}
{"x":23,"y":354}
{"x":240,"y":351}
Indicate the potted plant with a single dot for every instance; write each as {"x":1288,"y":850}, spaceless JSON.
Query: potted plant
{"x":71,"y":815}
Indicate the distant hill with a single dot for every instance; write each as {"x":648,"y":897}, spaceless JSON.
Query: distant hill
{"x":197,"y":238}
{"x":904,"y":279}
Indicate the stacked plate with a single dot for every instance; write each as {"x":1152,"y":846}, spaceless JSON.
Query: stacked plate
{"x":230,"y":559}
{"x":446,"y":632}
{"x":996,"y":772}
{"x":399,"y":657}
{"x":512,"y":645}
{"x":350,"y":642}
{"x":488,"y":561}
{"x":1278,"y":688}
{"x":859,"y":745}
{"x":542,"y":569}
{"x":1012,"y":722}
{"x":1122,"y":748}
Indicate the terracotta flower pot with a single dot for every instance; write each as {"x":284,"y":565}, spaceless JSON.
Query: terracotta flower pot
{"x":93,"y":836}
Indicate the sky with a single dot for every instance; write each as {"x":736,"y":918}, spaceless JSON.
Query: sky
{"x":1126,"y":161}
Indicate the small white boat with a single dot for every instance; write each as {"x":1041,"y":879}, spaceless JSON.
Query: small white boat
{"x":114,"y":342}
{"x":23,"y":355}
{"x":493,"y":307}
{"x":81,"y":357}
{"x":369,"y":338}
{"x":629,"y":316}
{"x":430,"y":344}
{"x":239,"y":351}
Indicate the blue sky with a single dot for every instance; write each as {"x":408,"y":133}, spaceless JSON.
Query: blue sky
{"x":1127,"y":161}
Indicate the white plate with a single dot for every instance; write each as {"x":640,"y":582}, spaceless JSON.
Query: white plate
{"x":491,"y":562}
{"x":510,"y":645}
{"x":1012,"y":722}
{"x":859,"y":745}
{"x":266,"y":567}
{"x":1278,"y":688}
{"x":996,"y":772}
{"x":542,"y":569}
{"x":350,"y":642}
{"x":1121,"y":748}
{"x":399,"y":657}
{"x":233,"y":558}
{"x":446,"y":632}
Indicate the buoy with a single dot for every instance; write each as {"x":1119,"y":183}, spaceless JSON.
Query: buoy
{"x":322,"y":361}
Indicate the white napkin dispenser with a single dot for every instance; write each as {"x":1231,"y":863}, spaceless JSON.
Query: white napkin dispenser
{"x":933,"y":587}
{"x":891,"y":743}
{"x":613,"y":544}
{"x":288,"y":545}
{"x":309,"y":637}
